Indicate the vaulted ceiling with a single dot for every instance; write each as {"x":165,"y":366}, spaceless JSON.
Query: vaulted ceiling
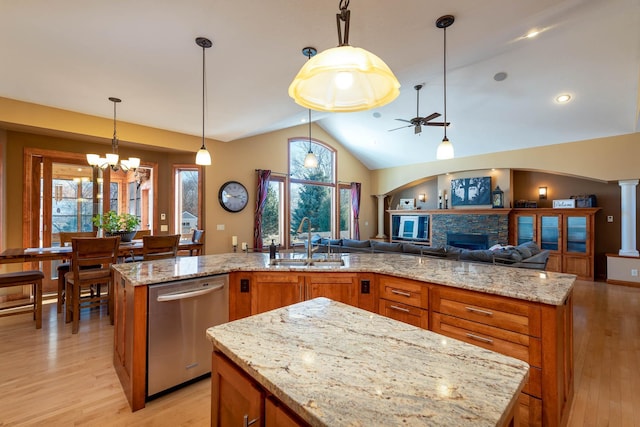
{"x":74,"y":54}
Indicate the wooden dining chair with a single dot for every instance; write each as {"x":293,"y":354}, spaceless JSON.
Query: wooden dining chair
{"x":64,"y":268}
{"x":160,"y":247}
{"x":91,"y":260}
{"x":141,"y":233}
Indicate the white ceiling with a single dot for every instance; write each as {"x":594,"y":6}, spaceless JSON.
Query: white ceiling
{"x":74,"y":54}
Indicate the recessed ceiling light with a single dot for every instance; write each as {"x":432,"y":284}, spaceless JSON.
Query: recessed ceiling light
{"x":531,"y":34}
{"x":563,"y":99}
{"x":500,"y":76}
{"x":377,"y":115}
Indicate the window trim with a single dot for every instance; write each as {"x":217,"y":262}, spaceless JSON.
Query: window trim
{"x":175,"y":169}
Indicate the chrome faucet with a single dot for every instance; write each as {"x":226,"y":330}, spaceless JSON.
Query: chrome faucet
{"x":309,"y":245}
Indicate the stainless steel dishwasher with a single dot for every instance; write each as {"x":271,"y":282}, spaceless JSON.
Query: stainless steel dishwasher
{"x":179,"y":314}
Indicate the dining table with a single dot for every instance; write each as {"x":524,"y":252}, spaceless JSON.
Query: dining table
{"x":18,"y":255}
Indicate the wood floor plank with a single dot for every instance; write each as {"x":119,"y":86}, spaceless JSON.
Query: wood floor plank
{"x":52,"y":377}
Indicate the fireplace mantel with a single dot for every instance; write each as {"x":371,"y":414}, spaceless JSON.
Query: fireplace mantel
{"x":472,"y":211}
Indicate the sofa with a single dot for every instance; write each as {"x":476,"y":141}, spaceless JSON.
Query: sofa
{"x":526,"y":255}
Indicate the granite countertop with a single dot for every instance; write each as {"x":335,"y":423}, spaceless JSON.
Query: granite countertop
{"x":337,"y":365}
{"x":530,"y":285}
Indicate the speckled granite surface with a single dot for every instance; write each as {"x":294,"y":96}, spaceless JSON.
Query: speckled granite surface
{"x":337,"y":365}
{"x":530,"y":285}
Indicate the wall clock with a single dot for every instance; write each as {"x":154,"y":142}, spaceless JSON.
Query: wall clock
{"x":233,"y":196}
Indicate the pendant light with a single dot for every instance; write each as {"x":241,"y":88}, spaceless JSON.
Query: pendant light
{"x":344,"y":78}
{"x":310,"y":160}
{"x":445,"y":149}
{"x":111,"y":159}
{"x":203,"y":157}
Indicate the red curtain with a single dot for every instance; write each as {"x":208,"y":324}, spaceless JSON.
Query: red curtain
{"x":355,"y":206}
{"x":261,"y":198}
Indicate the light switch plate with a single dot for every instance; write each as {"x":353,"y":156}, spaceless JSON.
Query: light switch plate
{"x":163,"y":216}
{"x":164,"y":227}
{"x":220,"y":227}
{"x":610,"y":218}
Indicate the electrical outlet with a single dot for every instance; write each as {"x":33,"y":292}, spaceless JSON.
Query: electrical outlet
{"x":163,"y":216}
{"x":365,"y":286}
{"x":164,"y":227}
{"x":634,"y":272}
{"x":610,"y":218}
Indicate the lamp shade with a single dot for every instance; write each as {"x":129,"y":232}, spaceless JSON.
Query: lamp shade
{"x":310,"y":160}
{"x":344,"y":79}
{"x":445,"y":150}
{"x":203,"y":157}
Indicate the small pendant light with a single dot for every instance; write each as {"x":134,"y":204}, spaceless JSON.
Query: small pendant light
{"x":310,"y":160}
{"x":445,"y":149}
{"x":203,"y":157}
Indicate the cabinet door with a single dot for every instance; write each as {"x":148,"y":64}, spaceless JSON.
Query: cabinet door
{"x":577,"y":235}
{"x":338,"y":287}
{"x":525,"y":228}
{"x":240,"y":284}
{"x":235,"y":399}
{"x":275,"y":290}
{"x":277,"y":415}
{"x":550,"y":232}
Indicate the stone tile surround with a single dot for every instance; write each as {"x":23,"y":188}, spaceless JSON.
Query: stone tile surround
{"x":495,"y":226}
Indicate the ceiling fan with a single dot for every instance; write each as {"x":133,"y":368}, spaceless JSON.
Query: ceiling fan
{"x":417,"y":122}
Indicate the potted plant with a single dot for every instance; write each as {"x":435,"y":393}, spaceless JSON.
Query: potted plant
{"x":114,"y":224}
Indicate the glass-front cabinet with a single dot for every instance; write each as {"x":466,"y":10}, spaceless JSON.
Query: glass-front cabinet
{"x":567,"y":233}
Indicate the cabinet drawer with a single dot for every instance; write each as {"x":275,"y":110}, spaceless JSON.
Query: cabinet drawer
{"x":405,"y":313}
{"x":495,"y":311}
{"x":512,"y":344}
{"x":530,"y":411}
{"x":405,"y":291}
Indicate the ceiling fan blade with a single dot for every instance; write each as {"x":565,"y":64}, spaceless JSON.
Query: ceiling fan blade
{"x":401,"y":127}
{"x":437,"y":124}
{"x":417,"y":129}
{"x":403,"y":120}
{"x":430,"y":117}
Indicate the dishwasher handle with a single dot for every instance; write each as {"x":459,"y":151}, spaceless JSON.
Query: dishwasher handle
{"x":189,"y":294}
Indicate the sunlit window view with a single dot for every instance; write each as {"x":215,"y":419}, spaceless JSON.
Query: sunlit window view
{"x":187,"y":203}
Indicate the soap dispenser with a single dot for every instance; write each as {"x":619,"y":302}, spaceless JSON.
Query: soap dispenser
{"x":272,"y":250}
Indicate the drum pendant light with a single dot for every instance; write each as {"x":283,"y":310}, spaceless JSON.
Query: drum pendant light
{"x":344,"y":78}
{"x":203,"y":157}
{"x":445,"y":149}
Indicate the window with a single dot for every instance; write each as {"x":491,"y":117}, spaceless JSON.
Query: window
{"x":272,"y":217}
{"x":312,"y":192}
{"x":187,"y":190}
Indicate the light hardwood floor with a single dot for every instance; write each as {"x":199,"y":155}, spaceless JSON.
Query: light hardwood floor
{"x":52,"y":377}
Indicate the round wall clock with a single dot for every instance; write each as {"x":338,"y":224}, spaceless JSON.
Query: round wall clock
{"x":233,"y":196}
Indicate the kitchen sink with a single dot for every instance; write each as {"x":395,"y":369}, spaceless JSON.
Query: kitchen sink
{"x":305,"y":262}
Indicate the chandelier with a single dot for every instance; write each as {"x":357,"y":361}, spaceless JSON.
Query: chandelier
{"x":111,"y":159}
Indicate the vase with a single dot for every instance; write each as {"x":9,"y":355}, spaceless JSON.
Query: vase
{"x":125,"y":236}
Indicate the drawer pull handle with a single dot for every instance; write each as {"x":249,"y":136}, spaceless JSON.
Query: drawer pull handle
{"x":247,"y":423}
{"x":478,"y":311}
{"x":479,"y":338}
{"x":404,"y":294}
{"x":395,"y":307}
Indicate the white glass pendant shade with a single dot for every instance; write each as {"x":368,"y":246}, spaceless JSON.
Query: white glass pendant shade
{"x":344,"y":79}
{"x":203,"y":158}
{"x":310,"y":160}
{"x":93,"y":159}
{"x":112,"y":159}
{"x":134,"y":163}
{"x":445,"y":150}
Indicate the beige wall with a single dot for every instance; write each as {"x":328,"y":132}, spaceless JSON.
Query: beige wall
{"x":604,"y":159}
{"x":42,"y":127}
{"x":238,"y":161}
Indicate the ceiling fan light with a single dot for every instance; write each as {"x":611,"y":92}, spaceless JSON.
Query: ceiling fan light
{"x":322,"y":84}
{"x":445,"y":150}
{"x":203,"y":158}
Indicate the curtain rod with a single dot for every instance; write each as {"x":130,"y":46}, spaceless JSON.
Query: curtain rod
{"x":274,"y":173}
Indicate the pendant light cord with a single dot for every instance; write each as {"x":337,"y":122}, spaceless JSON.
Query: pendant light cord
{"x":445,"y":82}
{"x":114,"y":140}
{"x":203,"y":93}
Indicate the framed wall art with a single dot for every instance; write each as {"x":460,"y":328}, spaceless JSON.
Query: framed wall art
{"x":471,"y":191}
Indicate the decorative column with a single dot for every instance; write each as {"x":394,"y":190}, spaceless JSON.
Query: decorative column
{"x":628,"y":217}
{"x":380,"y":234}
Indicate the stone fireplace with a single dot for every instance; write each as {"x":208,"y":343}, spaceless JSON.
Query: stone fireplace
{"x":468,"y":240}
{"x":491,"y":225}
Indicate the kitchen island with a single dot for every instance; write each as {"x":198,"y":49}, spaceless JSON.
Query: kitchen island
{"x":331,"y":364}
{"x":520,"y":313}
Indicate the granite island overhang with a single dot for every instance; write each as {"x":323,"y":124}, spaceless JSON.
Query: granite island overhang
{"x":337,"y":365}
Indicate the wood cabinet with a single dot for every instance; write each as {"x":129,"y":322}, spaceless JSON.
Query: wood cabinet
{"x":567,"y":233}
{"x":404,"y":300}
{"x":538,"y":334}
{"x":237,"y":400}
